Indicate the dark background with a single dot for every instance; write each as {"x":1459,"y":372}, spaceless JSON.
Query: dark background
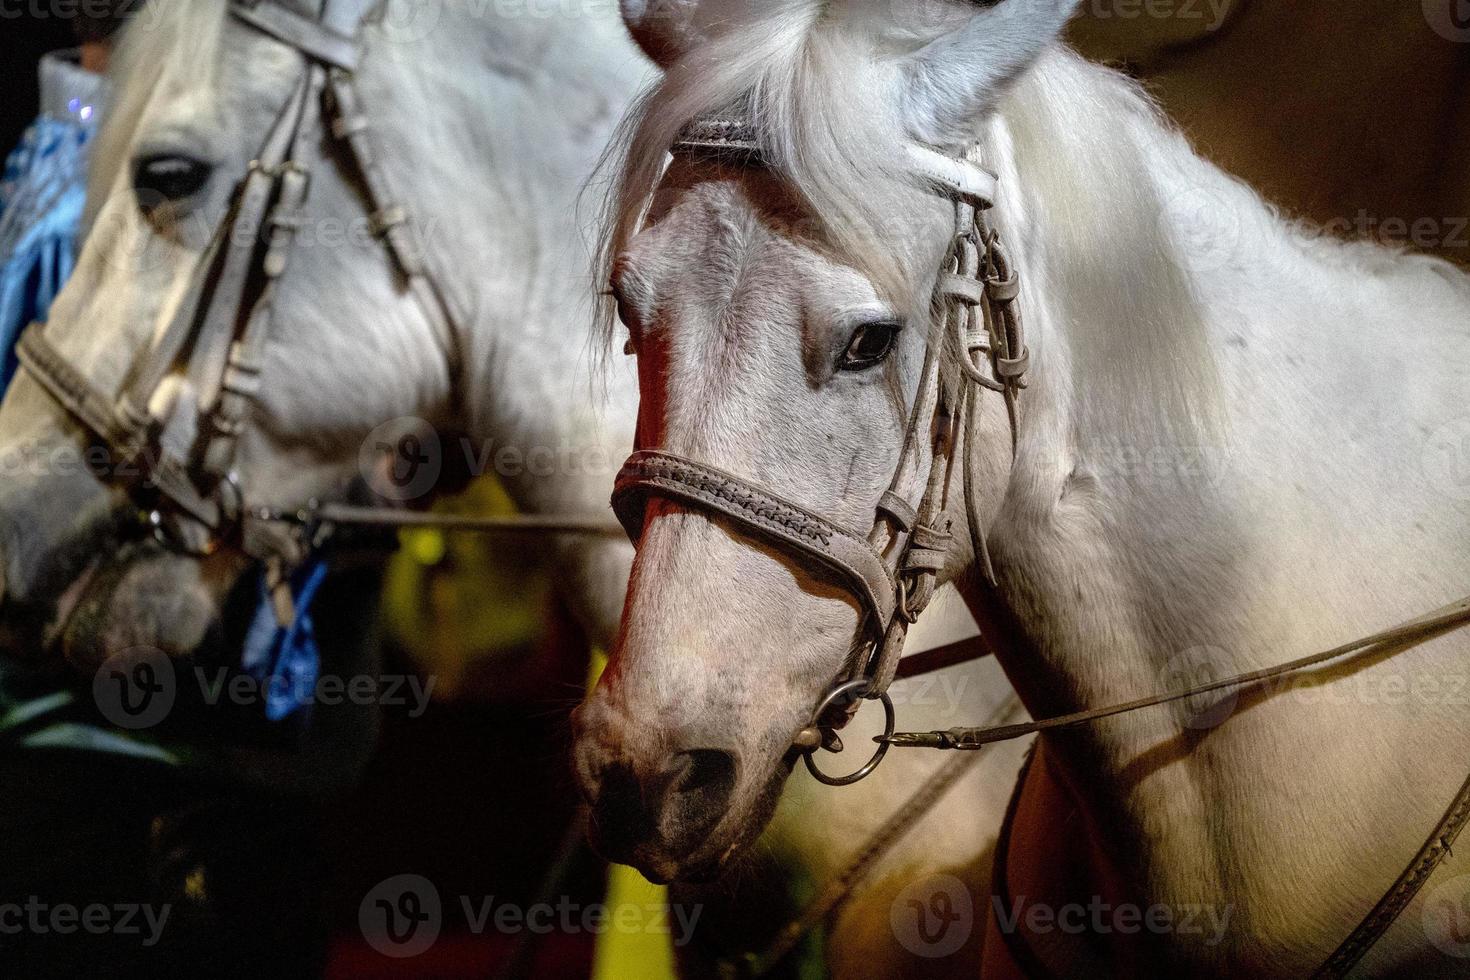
{"x":22,"y":42}
{"x":29,"y":29}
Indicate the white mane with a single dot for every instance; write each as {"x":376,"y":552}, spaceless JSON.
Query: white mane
{"x":1071,"y":140}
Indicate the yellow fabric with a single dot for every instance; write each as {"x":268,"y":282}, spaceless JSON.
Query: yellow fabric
{"x":643,"y":951}
{"x":452,"y":600}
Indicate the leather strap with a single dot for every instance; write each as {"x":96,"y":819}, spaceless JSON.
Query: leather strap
{"x":837,"y":891}
{"x":309,"y":36}
{"x":70,"y":389}
{"x":728,"y":138}
{"x":731,"y":138}
{"x":215,"y":330}
{"x":236,"y":378}
{"x":1398,"y":897}
{"x":342,"y":515}
{"x":953,"y":177}
{"x":756,"y":510}
{"x":1444,"y":620}
{"x":392,"y":223}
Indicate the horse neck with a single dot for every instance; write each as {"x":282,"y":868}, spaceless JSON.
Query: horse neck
{"x":519,"y":109}
{"x":1157,"y":531}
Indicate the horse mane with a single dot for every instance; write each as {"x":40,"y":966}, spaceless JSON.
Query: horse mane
{"x":1089,"y":190}
{"x":1074,"y":142}
{"x":813,"y":115}
{"x":166,"y":39}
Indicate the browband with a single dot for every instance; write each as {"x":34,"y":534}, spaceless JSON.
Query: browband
{"x":732,"y":139}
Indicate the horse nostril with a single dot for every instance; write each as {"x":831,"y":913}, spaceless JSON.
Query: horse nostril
{"x":696,"y":796}
{"x":707,"y":771}
{"x":621,"y":819}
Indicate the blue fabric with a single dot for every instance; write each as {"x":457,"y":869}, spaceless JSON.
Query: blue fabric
{"x":41,"y":199}
{"x":286,"y":661}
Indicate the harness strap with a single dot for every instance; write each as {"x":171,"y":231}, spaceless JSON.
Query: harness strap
{"x":391,"y":222}
{"x":227,"y":295}
{"x":239,"y":374}
{"x":1409,"y":884}
{"x":148,"y":371}
{"x":71,"y":390}
{"x":342,"y":515}
{"x":1444,"y":620}
{"x":837,"y":892}
{"x":956,"y":178}
{"x":758,"y":511}
{"x":305,"y":34}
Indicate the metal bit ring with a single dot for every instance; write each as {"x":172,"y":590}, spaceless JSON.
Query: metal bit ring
{"x":857,"y":688}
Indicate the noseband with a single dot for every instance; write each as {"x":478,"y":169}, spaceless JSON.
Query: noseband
{"x":891,"y":568}
{"x":182,"y":454}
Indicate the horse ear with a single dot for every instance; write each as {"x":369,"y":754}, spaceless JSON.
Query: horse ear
{"x":972,"y":49}
{"x":664,"y":29}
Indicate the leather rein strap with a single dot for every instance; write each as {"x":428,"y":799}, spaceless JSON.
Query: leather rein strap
{"x":1404,"y":636}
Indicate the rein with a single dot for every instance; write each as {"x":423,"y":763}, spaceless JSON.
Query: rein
{"x":1404,"y":636}
{"x":975,"y":341}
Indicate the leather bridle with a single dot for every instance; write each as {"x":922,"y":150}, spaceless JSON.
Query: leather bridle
{"x":975,"y":340}
{"x":179,"y":460}
{"x":181,"y":457}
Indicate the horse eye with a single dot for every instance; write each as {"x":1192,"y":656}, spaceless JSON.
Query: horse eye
{"x":166,"y":178}
{"x":626,"y":316}
{"x":870,"y":345}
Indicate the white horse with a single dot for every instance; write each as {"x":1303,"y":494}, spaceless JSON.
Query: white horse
{"x":456,"y":97}
{"x":486,"y":124}
{"x":1237,"y":446}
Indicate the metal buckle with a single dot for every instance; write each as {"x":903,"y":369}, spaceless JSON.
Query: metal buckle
{"x":810,"y":738}
{"x":902,"y":607}
{"x":184,"y":534}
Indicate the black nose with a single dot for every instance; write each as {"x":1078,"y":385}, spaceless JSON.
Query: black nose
{"x":671,"y":807}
